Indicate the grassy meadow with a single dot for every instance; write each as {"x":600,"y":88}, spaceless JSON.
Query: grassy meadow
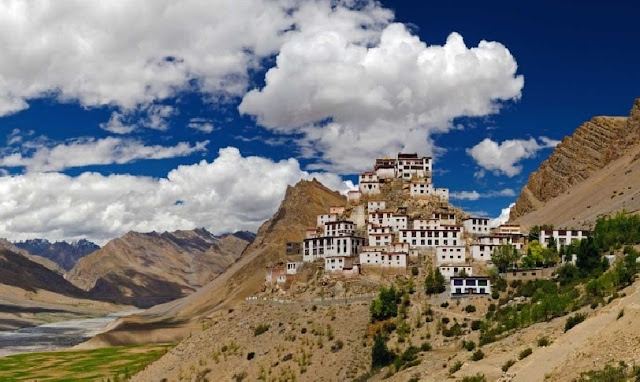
{"x":108,"y":364}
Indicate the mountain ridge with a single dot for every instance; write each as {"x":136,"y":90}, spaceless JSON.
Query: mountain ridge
{"x":594,"y":145}
{"x":145,"y":269}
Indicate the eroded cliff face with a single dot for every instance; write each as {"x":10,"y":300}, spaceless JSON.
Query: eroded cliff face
{"x":592,"y":146}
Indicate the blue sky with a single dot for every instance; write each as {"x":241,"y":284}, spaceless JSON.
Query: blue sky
{"x":162,"y":115}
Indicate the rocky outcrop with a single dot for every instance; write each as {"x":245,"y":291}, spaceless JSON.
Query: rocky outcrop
{"x":145,"y":269}
{"x":594,"y":145}
{"x":66,"y":255}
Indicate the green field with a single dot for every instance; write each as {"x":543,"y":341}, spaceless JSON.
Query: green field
{"x":113,"y":364}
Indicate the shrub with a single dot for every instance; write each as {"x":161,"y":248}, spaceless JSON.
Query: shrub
{"x":476,"y":325}
{"x":303,"y":330}
{"x":314,"y":308}
{"x":495,"y":295}
{"x":491,"y":307}
{"x":434,"y":282}
{"x":425,"y":346}
{"x":543,"y":341}
{"x":386,"y":305}
{"x":525,"y":353}
{"x":473,"y":378}
{"x":414,"y":271}
{"x":445,"y":320}
{"x":573,"y":321}
{"x":508,"y":364}
{"x":620,"y":314}
{"x":444,"y":304}
{"x":260,"y":329}
{"x":251,"y":356}
{"x":381,"y":356}
{"x":469,"y":346}
{"x":477,"y":355}
{"x":337,"y":346}
{"x":470,"y":308}
{"x":455,"y":367}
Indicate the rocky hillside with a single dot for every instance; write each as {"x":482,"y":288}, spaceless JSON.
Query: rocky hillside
{"x":6,"y":244}
{"x":18,"y":270}
{"x":66,"y":255}
{"x":145,"y":269}
{"x":171,"y":321}
{"x":594,"y":146}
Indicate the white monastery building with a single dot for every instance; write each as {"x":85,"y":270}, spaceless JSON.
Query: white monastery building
{"x":368,"y":183}
{"x":449,"y":270}
{"x":326,"y":218}
{"x":376,"y":205}
{"x":562,"y":236}
{"x":451,"y":254}
{"x":476,"y":226}
{"x":469,"y":286}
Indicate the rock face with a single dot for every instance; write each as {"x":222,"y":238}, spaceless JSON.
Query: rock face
{"x":145,"y":269}
{"x":594,"y":145}
{"x":66,"y":255}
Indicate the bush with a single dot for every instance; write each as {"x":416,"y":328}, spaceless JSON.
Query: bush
{"x":455,"y":367}
{"x":251,"y":356}
{"x":470,"y":308}
{"x":495,"y":295}
{"x":573,"y":321}
{"x":469,"y":346}
{"x":473,"y":378}
{"x":476,"y":325}
{"x":414,"y":271}
{"x":260,"y":329}
{"x":445,"y":320}
{"x":444,"y":304}
{"x":381,"y":356}
{"x":525,"y":353}
{"x":434,"y":282}
{"x":337,"y":346}
{"x":477,"y":356}
{"x":386,"y":305}
{"x":620,"y":314}
{"x":543,"y":341}
{"x":508,"y":364}
{"x":425,"y":346}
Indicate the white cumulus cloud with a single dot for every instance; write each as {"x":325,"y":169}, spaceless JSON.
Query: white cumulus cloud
{"x":475,"y":195}
{"x":503,"y":158}
{"x":89,"y":151}
{"x":130,"y":53}
{"x":230,"y":193}
{"x":502,"y":218}
{"x":353,"y":100}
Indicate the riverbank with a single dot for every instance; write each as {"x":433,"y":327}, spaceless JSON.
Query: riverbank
{"x":55,"y":336}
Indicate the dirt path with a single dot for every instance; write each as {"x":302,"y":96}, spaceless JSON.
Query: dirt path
{"x":544,"y":360}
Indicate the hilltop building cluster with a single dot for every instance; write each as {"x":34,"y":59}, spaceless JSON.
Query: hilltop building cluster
{"x":384,"y":227}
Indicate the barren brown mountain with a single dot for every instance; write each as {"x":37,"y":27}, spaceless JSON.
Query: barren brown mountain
{"x":171,"y":321}
{"x":31,"y":294}
{"x":592,"y":173}
{"x":145,"y":269}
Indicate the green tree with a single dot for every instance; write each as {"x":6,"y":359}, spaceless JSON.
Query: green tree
{"x":386,"y":305}
{"x":381,"y":356}
{"x":504,"y":256}
{"x":434,"y":282}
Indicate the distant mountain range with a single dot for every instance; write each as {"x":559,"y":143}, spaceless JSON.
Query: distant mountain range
{"x":66,"y":255}
{"x":146,"y":269}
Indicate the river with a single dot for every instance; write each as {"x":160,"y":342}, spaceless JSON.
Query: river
{"x":55,"y":336}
